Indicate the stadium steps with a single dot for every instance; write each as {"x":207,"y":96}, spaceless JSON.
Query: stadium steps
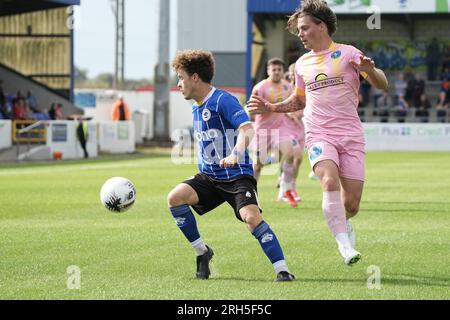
{"x":40,"y":153}
{"x":10,"y":154}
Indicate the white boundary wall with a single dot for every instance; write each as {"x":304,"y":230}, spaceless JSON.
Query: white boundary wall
{"x":62,"y":136}
{"x":107,"y":136}
{"x":116,"y":137}
{"x":407,"y":136}
{"x":5,"y":134}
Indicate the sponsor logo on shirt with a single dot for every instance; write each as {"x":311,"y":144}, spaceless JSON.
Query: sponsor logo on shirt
{"x":208,"y":135}
{"x":336,"y":54}
{"x":322,"y":81}
{"x":238,"y":113}
{"x":206,"y":114}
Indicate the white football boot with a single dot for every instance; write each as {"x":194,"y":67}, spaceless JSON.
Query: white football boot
{"x":350,"y":255}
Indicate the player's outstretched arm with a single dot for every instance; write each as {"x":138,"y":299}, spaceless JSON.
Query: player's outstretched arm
{"x":257,"y":105}
{"x":375,"y":76}
{"x":245,"y":136}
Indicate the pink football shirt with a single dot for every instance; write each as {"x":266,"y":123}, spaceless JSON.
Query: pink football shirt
{"x":272,"y":92}
{"x":331,"y":86}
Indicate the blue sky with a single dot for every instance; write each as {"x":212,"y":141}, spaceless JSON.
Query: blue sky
{"x":95,"y":37}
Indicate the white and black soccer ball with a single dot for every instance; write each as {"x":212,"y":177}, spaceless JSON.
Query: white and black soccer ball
{"x":118,"y":194}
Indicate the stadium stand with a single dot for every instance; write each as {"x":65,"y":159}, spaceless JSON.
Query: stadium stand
{"x":36,"y":64}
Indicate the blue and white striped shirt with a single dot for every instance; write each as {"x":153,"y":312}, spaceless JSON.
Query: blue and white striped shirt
{"x":216,"y":124}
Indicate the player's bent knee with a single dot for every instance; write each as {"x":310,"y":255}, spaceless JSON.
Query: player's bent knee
{"x":330,"y":183}
{"x":174,"y":199}
{"x":288,"y":155}
{"x":253,"y":221}
{"x":251,"y":217}
{"x":351,"y":209}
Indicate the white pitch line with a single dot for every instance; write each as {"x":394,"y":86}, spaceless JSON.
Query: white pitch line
{"x":65,"y":168}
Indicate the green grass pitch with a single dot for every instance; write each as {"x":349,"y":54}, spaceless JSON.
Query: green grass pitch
{"x":51,"y":218}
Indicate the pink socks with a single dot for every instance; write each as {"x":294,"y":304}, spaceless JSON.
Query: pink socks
{"x":334,"y":212}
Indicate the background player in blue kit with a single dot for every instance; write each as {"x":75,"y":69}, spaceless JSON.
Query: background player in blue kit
{"x":223,"y":131}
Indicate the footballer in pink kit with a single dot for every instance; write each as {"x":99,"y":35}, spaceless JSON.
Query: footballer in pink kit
{"x":327,"y":85}
{"x":331,"y":116}
{"x":274,"y":130}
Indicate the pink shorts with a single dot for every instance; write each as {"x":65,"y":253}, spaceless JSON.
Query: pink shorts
{"x":296,"y":132}
{"x":347,"y":153}
{"x":266,"y":140}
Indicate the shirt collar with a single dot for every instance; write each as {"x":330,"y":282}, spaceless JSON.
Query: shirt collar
{"x":209,"y":95}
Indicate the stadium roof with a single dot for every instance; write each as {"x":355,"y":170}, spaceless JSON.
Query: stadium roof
{"x":272,"y":6}
{"x":11,"y":7}
{"x":263,"y":7}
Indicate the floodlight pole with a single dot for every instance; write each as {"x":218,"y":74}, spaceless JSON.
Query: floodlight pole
{"x":162,"y":77}
{"x":119,"y":70}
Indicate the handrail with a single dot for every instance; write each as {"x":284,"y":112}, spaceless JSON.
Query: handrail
{"x":32,"y":126}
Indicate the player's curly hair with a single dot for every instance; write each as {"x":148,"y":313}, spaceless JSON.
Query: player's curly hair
{"x":319,"y":12}
{"x":200,"y":62}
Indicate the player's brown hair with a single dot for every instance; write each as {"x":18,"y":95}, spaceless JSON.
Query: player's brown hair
{"x":276,"y":61}
{"x":200,"y":62}
{"x":319,"y":12}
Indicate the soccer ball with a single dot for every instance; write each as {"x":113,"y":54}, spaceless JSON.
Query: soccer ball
{"x":118,"y":194}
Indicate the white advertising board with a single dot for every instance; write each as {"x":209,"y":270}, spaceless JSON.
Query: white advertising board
{"x":116,"y":137}
{"x":62,"y":137}
{"x":390,"y":6}
{"x":407,"y":137}
{"x":5,"y":134}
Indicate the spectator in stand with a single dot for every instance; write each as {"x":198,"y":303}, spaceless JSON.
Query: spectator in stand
{"x":20,"y":95}
{"x":433,"y":59}
{"x":444,"y":97}
{"x":416,"y":86}
{"x":55,"y":112}
{"x":377,"y":94}
{"x":120,"y":110}
{"x":445,"y":75}
{"x":20,"y":111}
{"x":400,"y":86}
{"x":52,"y":111}
{"x":422,"y":111}
{"x":384,"y":104}
{"x":446,"y":59}
{"x":32,"y":103}
{"x":409,"y":78}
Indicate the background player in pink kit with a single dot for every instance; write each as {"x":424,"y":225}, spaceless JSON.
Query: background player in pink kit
{"x":272,"y":130}
{"x":297,"y":129}
{"x":327,"y":84}
{"x":297,"y":116}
